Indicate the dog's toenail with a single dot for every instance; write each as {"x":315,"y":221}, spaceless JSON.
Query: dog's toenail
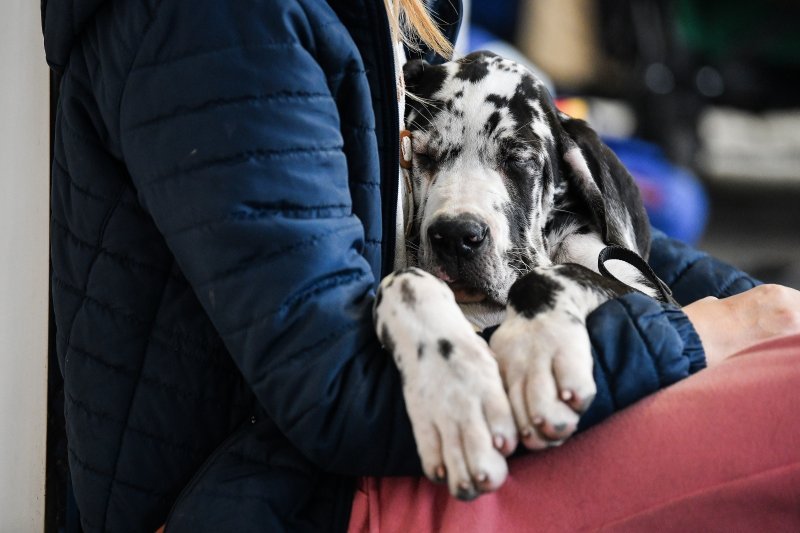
{"x":499,"y":441}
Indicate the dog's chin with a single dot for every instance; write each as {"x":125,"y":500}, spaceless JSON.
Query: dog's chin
{"x":466,"y":294}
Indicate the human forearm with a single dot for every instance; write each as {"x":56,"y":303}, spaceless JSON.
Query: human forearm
{"x":729,"y":325}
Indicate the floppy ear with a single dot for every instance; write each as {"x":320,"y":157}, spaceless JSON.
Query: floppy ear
{"x":412,"y":69}
{"x":422,"y":80}
{"x":605,"y":185}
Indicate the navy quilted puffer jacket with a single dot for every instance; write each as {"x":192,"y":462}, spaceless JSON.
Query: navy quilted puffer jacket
{"x":222,"y":209}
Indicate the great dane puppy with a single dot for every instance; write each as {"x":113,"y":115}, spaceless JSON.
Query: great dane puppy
{"x":513,"y":201}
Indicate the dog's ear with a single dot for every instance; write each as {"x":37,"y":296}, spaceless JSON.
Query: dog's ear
{"x":422,"y":78}
{"x":604,"y":184}
{"x":413,"y":69}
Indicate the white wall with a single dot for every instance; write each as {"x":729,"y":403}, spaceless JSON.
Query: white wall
{"x":24,"y":185}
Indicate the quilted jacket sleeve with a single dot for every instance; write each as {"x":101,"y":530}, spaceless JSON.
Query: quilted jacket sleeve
{"x":692,"y":274}
{"x":233,"y":141}
{"x":641,"y":345}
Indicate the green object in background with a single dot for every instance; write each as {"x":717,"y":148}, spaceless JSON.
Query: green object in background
{"x":765,"y":31}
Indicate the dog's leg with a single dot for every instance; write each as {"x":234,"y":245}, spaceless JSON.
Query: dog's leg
{"x":584,"y":249}
{"x":454,"y":396}
{"x":544,"y":352}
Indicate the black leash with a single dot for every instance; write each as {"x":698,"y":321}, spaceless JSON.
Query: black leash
{"x":632,"y":258}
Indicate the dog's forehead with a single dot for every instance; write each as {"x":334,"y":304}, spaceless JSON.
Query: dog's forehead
{"x":481,"y":100}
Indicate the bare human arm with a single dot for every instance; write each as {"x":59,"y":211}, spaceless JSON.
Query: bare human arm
{"x":727,"y":326}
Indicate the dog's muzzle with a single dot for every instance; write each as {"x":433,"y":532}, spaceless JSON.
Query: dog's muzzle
{"x":459,"y":244}
{"x":462,"y":237}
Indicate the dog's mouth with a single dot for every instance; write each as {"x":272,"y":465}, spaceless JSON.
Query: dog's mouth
{"x":464,"y":292}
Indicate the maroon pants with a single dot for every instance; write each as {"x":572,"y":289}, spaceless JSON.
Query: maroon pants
{"x":719,"y":451}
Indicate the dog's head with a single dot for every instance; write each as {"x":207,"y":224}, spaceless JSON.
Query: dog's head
{"x":492,"y":157}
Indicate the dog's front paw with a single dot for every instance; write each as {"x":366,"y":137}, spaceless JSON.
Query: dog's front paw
{"x":546,"y":364}
{"x":461,"y":417}
{"x":454,"y":396}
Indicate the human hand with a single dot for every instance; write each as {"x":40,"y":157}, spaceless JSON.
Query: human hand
{"x":729,"y":325}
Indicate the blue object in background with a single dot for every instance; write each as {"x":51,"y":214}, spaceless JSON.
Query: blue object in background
{"x":675,"y":200}
{"x":498,"y":16}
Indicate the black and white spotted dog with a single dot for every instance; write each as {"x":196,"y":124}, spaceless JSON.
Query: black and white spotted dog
{"x":513,"y":202}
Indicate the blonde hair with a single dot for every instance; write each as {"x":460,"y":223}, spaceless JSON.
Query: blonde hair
{"x":412,"y":23}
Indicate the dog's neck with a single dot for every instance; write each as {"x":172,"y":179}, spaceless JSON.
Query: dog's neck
{"x":483,"y":315}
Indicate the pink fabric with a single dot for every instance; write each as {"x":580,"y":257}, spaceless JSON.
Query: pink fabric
{"x":719,"y":451}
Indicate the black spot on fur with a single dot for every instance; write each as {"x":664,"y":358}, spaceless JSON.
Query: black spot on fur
{"x":422,"y":78}
{"x":420,"y":350}
{"x":410,"y":270}
{"x":445,"y":348}
{"x":491,"y":123}
{"x":449,"y":154}
{"x":407,"y":293}
{"x":533,"y":293}
{"x":592,"y":281}
{"x":473,"y":70}
{"x":497,"y":100}
{"x":387,"y":340}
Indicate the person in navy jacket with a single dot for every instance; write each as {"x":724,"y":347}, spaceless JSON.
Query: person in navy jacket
{"x":223,"y":208}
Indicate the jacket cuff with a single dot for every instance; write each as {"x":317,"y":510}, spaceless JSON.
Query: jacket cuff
{"x":692,"y":345}
{"x":639,"y":346}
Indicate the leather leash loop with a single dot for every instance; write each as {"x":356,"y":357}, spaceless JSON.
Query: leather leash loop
{"x":632,"y":258}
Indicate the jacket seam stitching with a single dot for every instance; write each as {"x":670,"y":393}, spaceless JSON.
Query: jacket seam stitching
{"x":126,"y":426}
{"x":260,"y":259}
{"x":153,"y":381}
{"x":646,"y":342}
{"x":131,"y":401}
{"x":298,"y":299}
{"x":123,"y":260}
{"x":153,"y":178}
{"x":88,"y":467}
{"x":129,"y":316}
{"x":279,"y":96}
{"x":288,"y":43}
{"x":261,"y":213}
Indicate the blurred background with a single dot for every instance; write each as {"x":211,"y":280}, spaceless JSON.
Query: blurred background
{"x":699,"y":98}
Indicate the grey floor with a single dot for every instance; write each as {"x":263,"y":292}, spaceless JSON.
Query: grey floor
{"x":756,"y":229}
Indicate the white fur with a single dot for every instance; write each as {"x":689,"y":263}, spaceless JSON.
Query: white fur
{"x":457,"y":404}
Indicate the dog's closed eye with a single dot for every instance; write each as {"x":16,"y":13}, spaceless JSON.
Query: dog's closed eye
{"x":515,"y":165}
{"x":425,"y":160}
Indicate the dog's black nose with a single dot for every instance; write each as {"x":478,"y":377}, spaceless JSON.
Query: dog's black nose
{"x":462,"y":236}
